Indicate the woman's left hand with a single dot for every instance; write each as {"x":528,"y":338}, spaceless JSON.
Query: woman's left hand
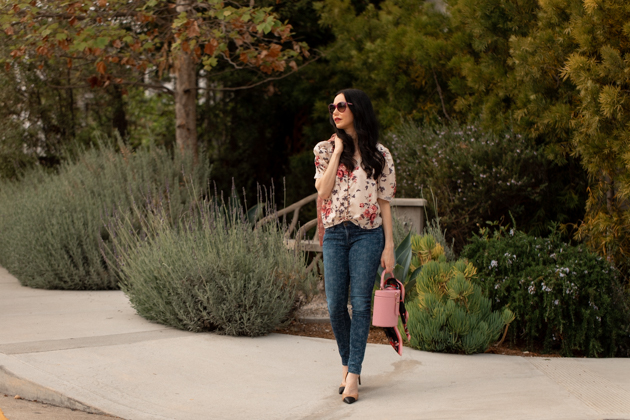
{"x":388,"y":260}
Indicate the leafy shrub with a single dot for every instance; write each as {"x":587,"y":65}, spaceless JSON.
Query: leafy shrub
{"x":564,"y":296}
{"x":210,"y":270}
{"x":478,"y":176}
{"x":450,"y":314}
{"x":51,"y":225}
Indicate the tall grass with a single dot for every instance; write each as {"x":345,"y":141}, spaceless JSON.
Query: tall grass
{"x":53,"y":227}
{"x":210,"y":270}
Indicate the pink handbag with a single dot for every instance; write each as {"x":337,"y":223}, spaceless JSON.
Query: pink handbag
{"x":389,"y":304}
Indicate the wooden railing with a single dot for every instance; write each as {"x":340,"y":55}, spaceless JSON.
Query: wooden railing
{"x":409,"y":209}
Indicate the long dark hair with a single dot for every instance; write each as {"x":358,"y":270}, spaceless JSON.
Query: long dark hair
{"x":366,"y":126}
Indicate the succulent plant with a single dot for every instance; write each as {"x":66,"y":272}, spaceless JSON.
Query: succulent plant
{"x":449,"y":313}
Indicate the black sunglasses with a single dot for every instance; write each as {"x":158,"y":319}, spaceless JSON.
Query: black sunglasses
{"x":341,"y":107}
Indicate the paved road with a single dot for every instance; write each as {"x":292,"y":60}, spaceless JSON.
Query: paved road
{"x":89,"y":350}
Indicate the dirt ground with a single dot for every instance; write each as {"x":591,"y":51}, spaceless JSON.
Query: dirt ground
{"x":317,"y":310}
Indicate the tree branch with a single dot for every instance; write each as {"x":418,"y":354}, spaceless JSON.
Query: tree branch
{"x":269,"y":79}
{"x":149,"y":86}
{"x":140,"y":84}
{"x":67,"y":16}
{"x":439,"y":89}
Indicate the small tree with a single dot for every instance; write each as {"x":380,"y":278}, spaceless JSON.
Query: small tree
{"x":133,"y":42}
{"x":600,"y":68}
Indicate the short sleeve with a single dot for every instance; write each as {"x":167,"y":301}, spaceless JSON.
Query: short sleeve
{"x":323,"y":151}
{"x":387,"y":180}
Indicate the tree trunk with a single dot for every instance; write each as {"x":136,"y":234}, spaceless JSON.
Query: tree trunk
{"x":185,"y":94}
{"x":119,"y":117}
{"x":610,"y":194}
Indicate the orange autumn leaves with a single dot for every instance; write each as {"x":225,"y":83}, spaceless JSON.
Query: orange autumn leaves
{"x":123,"y":36}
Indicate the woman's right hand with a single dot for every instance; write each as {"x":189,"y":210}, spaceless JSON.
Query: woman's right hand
{"x":338,"y":145}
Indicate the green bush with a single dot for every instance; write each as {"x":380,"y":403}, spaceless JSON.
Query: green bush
{"x":450,"y":314}
{"x":564,"y":297}
{"x":210,"y":271}
{"x":477,"y":176}
{"x":53,"y":227}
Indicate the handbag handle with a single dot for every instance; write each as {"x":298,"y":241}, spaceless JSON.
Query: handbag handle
{"x":383,"y":279}
{"x":402,"y":286}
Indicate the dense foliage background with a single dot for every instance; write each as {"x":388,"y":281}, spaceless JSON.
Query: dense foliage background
{"x":565,"y":297}
{"x":552,"y":74}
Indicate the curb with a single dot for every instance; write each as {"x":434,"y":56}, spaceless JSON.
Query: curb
{"x":11,"y":384}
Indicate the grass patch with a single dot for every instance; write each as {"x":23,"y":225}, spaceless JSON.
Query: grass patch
{"x":53,"y":231}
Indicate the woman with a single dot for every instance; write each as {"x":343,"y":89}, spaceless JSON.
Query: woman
{"x":356,"y":180}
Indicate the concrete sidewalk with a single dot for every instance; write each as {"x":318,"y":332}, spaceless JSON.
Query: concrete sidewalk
{"x":89,"y":350}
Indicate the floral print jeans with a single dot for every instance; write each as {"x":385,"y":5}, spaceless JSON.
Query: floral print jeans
{"x":351,"y":259}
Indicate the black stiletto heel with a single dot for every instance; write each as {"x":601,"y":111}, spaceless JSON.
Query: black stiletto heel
{"x":343,"y":388}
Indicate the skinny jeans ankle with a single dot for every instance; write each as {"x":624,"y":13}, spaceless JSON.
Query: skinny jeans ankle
{"x":351,"y":259}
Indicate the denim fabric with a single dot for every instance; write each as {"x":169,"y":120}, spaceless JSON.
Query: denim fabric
{"x":351,"y":259}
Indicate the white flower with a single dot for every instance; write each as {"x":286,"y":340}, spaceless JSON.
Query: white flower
{"x":556,"y":302}
{"x":493,"y":263}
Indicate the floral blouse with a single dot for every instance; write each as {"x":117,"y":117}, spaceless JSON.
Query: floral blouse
{"x":354,"y":196}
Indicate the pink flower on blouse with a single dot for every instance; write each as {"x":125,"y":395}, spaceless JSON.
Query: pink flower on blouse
{"x":326,"y":208}
{"x":341,"y":171}
{"x":370,"y":213}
